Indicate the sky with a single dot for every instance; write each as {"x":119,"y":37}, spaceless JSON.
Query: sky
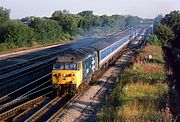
{"x":41,"y":8}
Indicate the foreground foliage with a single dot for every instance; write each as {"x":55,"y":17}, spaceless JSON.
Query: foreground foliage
{"x":168,"y":34}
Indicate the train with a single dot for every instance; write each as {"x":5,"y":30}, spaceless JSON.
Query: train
{"x":77,"y":67}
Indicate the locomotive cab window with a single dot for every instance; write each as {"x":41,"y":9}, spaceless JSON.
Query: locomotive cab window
{"x":65,"y":66}
{"x":70,"y":66}
{"x":59,"y":66}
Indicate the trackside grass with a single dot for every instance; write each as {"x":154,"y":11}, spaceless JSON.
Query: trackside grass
{"x":141,"y":92}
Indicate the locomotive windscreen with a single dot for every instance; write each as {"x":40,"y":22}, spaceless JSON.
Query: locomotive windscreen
{"x":65,"y":66}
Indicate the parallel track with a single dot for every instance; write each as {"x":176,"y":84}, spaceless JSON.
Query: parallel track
{"x":28,"y":104}
{"x":31,"y":61}
{"x":21,"y":100}
{"x":23,"y":90}
{"x":43,"y":110}
{"x":36,"y":101}
{"x":25,"y":71}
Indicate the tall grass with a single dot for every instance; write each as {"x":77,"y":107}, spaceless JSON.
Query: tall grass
{"x":141,"y":94}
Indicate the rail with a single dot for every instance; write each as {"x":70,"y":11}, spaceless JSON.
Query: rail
{"x":6,"y":78}
{"x":31,"y":61}
{"x":20,"y":100}
{"x":44,"y":109}
{"x":15,"y":110}
{"x":67,"y":103}
{"x":8,"y":96}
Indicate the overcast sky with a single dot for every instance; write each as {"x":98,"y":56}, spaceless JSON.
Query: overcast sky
{"x":40,"y":8}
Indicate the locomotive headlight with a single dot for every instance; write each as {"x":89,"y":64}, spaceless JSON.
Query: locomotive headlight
{"x":64,"y":75}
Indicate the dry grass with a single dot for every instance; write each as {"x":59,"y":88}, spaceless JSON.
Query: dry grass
{"x":141,"y":90}
{"x":156,"y":52}
{"x":148,"y":67}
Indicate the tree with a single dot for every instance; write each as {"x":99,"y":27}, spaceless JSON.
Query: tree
{"x":119,"y":20}
{"x":132,"y":21}
{"x":96,"y":21}
{"x":14,"y":32}
{"x":169,"y":30}
{"x":68,"y":22}
{"x":87,"y":14}
{"x":86,"y":20}
{"x":165,"y":34}
{"x":172,"y":20}
{"x":4,"y":14}
{"x":157,"y":21}
{"x":105,"y":21}
{"x":45,"y":29}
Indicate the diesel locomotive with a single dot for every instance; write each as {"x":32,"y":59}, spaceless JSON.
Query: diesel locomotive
{"x":76,"y":68}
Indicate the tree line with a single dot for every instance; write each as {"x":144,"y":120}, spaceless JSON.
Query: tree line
{"x":62,"y":25}
{"x":167,"y":35}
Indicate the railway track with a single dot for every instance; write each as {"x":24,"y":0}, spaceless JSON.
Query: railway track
{"x":31,"y":61}
{"x":25,"y":89}
{"x":20,"y":100}
{"x":23,"y":77}
{"x":23,"y":106}
{"x":15,"y":101}
{"x":68,"y":102}
{"x":44,"y":113}
{"x":8,"y":112}
{"x":44,"y":109}
{"x":25,"y":71}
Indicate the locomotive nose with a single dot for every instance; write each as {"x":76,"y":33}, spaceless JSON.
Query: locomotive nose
{"x":63,"y":78}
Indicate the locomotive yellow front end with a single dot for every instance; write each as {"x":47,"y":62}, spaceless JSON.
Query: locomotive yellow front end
{"x":66,"y":75}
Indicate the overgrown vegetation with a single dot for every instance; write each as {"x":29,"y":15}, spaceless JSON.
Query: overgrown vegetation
{"x":62,"y":25}
{"x":141,"y":92}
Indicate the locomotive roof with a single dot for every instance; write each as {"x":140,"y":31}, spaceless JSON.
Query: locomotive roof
{"x":76,"y":55}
